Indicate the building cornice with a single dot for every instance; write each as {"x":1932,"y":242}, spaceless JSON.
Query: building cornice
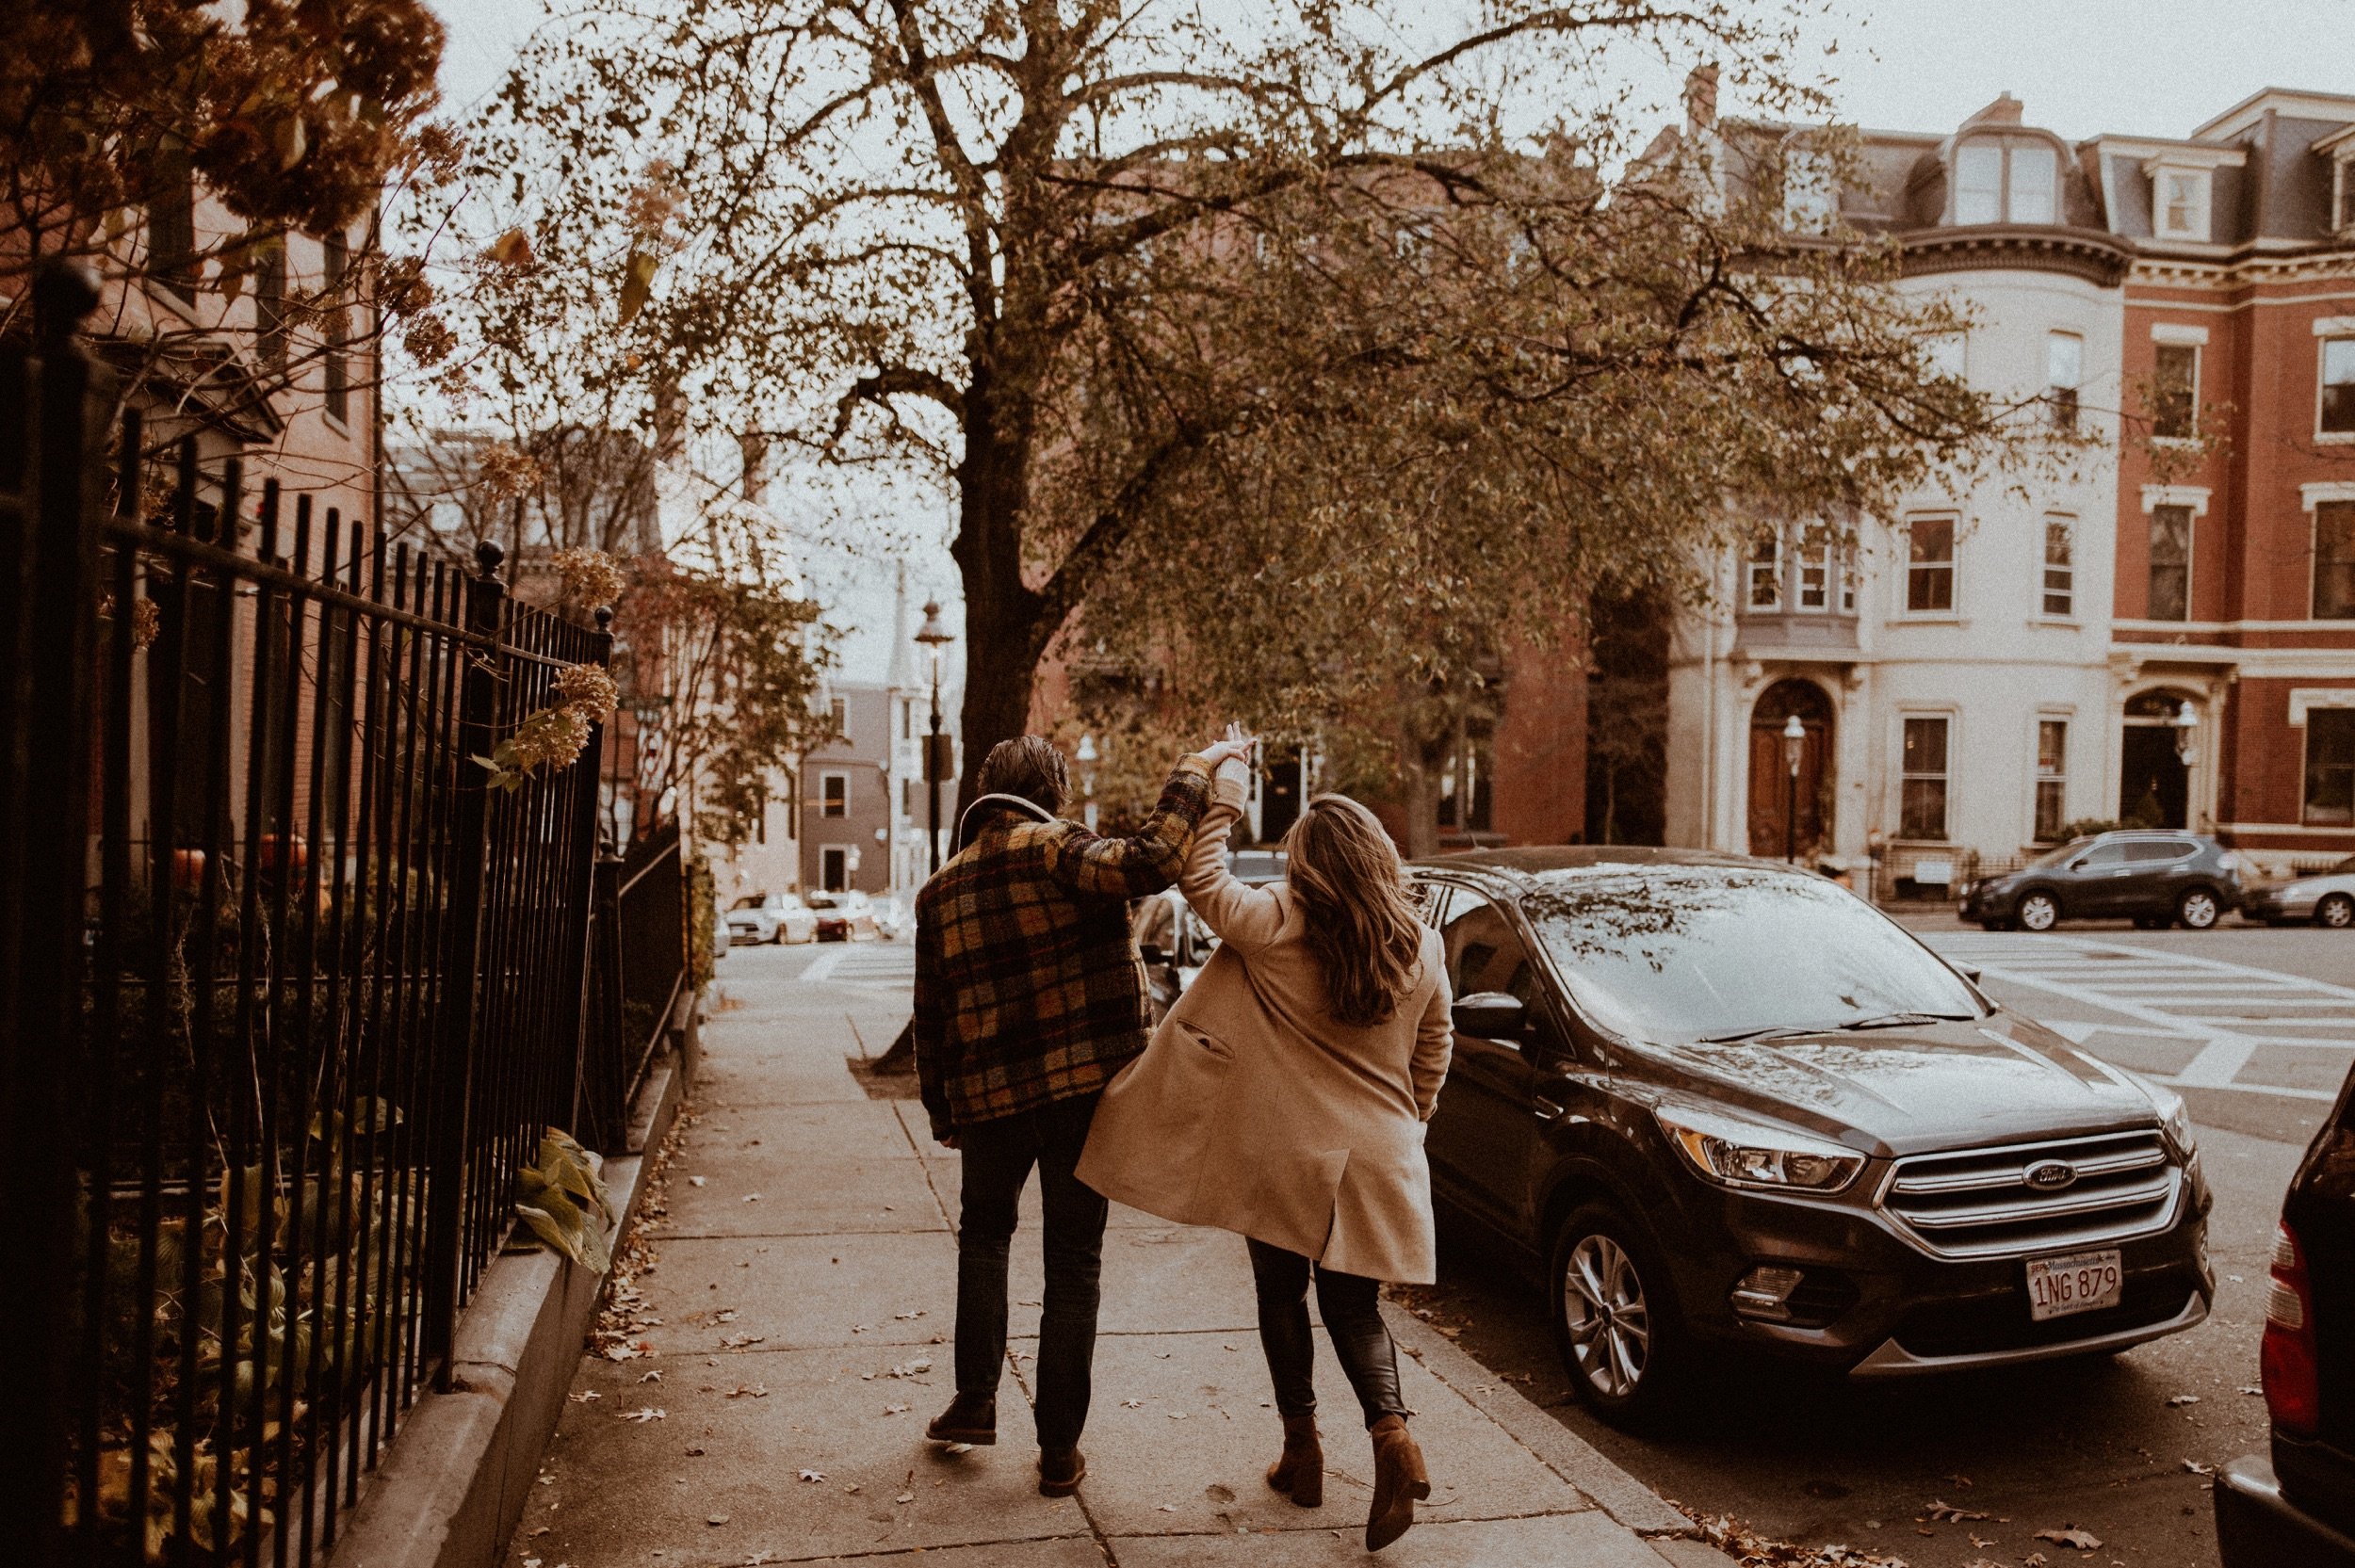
{"x":2088,"y":253}
{"x":2241,"y":270}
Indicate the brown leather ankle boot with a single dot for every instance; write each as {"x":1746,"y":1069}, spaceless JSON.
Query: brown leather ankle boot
{"x":1299,"y":1473}
{"x":1399,"y":1482}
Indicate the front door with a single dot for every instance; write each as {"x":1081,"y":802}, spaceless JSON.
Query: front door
{"x":1786,"y":814}
{"x":2153,"y":788}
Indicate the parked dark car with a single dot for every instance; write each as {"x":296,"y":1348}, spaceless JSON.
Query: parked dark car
{"x":2155,"y":877}
{"x":844,"y":916}
{"x":1717,"y":1103}
{"x":2295,"y":1507}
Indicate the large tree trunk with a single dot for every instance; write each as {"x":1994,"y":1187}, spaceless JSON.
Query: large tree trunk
{"x":1421,"y":776}
{"x":1005,"y":641}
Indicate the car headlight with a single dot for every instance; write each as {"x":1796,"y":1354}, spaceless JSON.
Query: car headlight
{"x":1735,"y":1153}
{"x":2174,"y":1116}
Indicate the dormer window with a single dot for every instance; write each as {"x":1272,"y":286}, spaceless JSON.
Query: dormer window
{"x":1999,"y":181}
{"x":2343,"y":193}
{"x":2179,"y":203}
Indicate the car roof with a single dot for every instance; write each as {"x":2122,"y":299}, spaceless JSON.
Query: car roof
{"x":1601,"y":858}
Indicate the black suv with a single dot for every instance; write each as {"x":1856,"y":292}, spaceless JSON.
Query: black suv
{"x":1718,"y":1101}
{"x":2157,"y":878}
{"x":2295,"y":1508}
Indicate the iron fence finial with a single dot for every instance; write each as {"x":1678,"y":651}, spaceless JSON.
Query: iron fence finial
{"x":487,"y":556}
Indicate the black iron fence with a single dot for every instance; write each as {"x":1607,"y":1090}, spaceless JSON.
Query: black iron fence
{"x":639,"y":972}
{"x":291,"y":993}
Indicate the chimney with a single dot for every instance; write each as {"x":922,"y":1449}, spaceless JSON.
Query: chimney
{"x":1701,"y":99}
{"x":753,"y":449}
{"x":2003,"y":111}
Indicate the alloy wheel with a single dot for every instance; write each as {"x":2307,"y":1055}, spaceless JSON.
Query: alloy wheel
{"x":2336,"y":911}
{"x":1606,"y":1314}
{"x":2038,"y":913}
{"x":2197,"y":910}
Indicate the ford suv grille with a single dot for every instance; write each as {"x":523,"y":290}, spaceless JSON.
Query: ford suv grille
{"x":2036,"y":1197}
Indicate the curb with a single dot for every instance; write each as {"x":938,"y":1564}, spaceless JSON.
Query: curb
{"x":452,"y":1485}
{"x":1626,"y":1500}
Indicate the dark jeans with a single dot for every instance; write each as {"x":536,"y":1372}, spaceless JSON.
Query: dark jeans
{"x":998,"y":1160}
{"x":1360,"y":1338}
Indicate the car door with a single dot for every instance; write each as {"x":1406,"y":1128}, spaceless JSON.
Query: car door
{"x":2161,"y":869}
{"x":1482,"y":1142}
{"x":2099,"y":883}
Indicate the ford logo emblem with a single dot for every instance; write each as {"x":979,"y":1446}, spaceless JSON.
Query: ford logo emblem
{"x":2052,"y":1175}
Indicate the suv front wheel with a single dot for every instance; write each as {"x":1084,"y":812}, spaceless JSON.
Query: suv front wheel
{"x":2198,"y":908}
{"x":2038,"y":912}
{"x":1615,"y":1323}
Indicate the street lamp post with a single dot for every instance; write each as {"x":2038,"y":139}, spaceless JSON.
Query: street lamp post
{"x":934,"y":636}
{"x":1794,"y":737}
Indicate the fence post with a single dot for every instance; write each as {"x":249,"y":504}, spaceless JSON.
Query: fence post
{"x":37,"y":1234}
{"x":455,"y":1035}
{"x":588,"y":773}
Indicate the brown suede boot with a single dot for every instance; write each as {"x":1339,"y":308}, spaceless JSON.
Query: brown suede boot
{"x":1299,"y":1473}
{"x":1399,"y":1481}
{"x":969,"y":1418}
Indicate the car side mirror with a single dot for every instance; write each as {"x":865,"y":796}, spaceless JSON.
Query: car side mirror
{"x":1968,"y":973}
{"x":1490,"y":1015}
{"x":2080,"y":863}
{"x":1153,"y":952}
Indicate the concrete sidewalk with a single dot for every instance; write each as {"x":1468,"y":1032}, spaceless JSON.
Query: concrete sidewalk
{"x":795,"y":1317}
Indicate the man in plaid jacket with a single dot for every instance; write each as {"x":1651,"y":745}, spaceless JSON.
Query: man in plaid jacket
{"x":1029,"y":997}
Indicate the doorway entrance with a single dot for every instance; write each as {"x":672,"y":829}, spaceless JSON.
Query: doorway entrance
{"x":1790,"y":814}
{"x":2155,"y":772}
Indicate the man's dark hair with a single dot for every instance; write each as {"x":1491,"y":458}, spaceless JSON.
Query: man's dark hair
{"x":1030,"y":767}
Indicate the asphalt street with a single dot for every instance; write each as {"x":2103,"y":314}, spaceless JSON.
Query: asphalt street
{"x":2255,"y":1026}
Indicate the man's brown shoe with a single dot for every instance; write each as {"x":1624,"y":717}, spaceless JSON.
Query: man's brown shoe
{"x":1061,"y":1471}
{"x":1398,"y":1483}
{"x":1298,"y":1473}
{"x":969,"y":1418}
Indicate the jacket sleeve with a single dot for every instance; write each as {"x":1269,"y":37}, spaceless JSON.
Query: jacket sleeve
{"x":930,"y":1023}
{"x":1087,"y":864}
{"x":1246,"y":919}
{"x":1435,"y":1042}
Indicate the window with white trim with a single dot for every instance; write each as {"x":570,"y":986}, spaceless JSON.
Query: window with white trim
{"x":1998,"y":182}
{"x":834,"y":863}
{"x":2179,"y":203}
{"x":1980,"y":182}
{"x":2171,"y":563}
{"x":2064,"y":370}
{"x":1930,"y":565}
{"x":1765,"y":574}
{"x":2035,"y":183}
{"x":833,"y":794}
{"x":2334,"y":561}
{"x":1815,"y":586}
{"x":2337,"y":414}
{"x":2175,"y":392}
{"x":2329,"y":795}
{"x":1922,"y":801}
{"x":2060,"y":568}
{"x":2052,"y":778}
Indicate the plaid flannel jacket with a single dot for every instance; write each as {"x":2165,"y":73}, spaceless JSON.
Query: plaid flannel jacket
{"x":1028,"y":985}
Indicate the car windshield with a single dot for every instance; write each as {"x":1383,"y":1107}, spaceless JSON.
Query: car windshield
{"x":750,"y":900}
{"x":2054,"y":857}
{"x":1676,"y":954}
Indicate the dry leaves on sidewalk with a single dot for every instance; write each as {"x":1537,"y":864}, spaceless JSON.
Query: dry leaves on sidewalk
{"x":642,"y":1417}
{"x":1753,"y":1551}
{"x":2085,"y":1541}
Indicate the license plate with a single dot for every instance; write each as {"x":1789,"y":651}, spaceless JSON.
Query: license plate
{"x":2079,"y":1281}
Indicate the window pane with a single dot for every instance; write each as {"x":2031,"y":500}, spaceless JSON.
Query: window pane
{"x":1926,"y":746}
{"x":2064,"y":367}
{"x":2052,"y":745}
{"x":2174,"y":390}
{"x":2060,"y":573}
{"x":1816,"y":577}
{"x":2182,"y":207}
{"x":2048,"y":809}
{"x":2032,"y":178}
{"x":2334,"y":561}
{"x":1930,"y":569}
{"x":1923,"y":813}
{"x":1980,"y":182}
{"x":2330,"y":768}
{"x":1765,"y":573}
{"x":2338,"y":385}
{"x":2171,"y":563}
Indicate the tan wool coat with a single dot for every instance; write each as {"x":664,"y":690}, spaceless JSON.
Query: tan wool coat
{"x":1255,"y":1111}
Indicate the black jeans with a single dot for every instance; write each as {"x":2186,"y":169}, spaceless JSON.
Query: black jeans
{"x":998,"y":1160}
{"x":1352,"y":1317}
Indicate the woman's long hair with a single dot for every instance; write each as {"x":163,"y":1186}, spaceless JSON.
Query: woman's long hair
{"x":1345,"y":875}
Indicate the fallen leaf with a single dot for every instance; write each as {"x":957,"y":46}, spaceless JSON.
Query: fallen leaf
{"x":1947,"y":1513}
{"x":584,"y":1396}
{"x":752,"y":1197}
{"x":694,"y":1181}
{"x":716,"y":1519}
{"x":2084,"y":1541}
{"x":2199,"y":1469}
{"x":539,"y":1530}
{"x":812,"y":1475}
{"x":1177,"y":1415}
{"x":895,"y":1410}
{"x":2252,"y":1390}
{"x":905,"y":1497}
{"x":909,"y":1317}
{"x":2184,"y":1399}
{"x":758,"y":1391}
{"x":1165,"y":1508}
{"x":738,"y":1341}
{"x":651,"y":1375}
{"x":643,"y":1416}
{"x":1132,"y":1404}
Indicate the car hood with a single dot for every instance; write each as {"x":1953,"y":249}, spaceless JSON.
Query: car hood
{"x":2001,"y":1078}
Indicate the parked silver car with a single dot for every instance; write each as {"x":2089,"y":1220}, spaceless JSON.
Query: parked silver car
{"x":2327,"y":897}
{"x":772,"y":918}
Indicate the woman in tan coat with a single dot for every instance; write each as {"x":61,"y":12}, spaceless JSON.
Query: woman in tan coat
{"x":1284,"y":1097}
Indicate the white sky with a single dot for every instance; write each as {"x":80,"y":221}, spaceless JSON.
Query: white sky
{"x":2082,"y":67}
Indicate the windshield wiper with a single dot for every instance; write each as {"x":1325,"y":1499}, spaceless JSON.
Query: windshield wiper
{"x":1770,"y":1031}
{"x":1899,"y":1020}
